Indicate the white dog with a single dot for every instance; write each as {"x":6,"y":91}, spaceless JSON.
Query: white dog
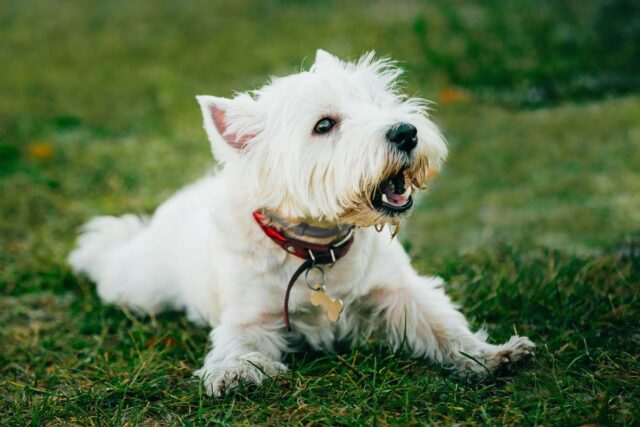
{"x":313,"y":166}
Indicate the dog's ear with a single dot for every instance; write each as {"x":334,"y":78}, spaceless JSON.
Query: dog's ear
{"x":324,"y":58}
{"x":231,"y":124}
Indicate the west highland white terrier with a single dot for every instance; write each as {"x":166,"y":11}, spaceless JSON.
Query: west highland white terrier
{"x":312,"y":167}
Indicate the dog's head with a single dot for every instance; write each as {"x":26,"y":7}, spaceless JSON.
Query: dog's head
{"x":336,"y":144}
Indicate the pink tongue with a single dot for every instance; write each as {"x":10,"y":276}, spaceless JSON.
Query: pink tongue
{"x":395,"y":199}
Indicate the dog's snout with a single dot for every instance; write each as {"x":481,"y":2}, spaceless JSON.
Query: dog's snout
{"x":404,"y":136}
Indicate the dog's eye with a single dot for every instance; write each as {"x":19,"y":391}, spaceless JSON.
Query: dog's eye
{"x":324,"y":125}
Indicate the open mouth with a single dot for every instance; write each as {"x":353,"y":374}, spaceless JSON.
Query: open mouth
{"x":393,"y":195}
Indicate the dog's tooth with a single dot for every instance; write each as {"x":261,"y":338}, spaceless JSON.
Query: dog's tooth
{"x":385,"y":198}
{"x":407,"y":192}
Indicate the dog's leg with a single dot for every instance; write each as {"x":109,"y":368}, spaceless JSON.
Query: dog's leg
{"x":246,"y":352}
{"x":118,"y":255}
{"x":416,"y":314}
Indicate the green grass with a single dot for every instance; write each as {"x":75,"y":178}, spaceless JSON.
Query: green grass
{"x":534,"y":52}
{"x":533,"y":224}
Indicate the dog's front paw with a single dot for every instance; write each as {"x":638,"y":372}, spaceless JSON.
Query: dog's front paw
{"x":250,"y":368}
{"x":495,"y":358}
{"x":502,"y":356}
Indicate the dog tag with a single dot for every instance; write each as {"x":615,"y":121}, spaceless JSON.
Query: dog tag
{"x":333,"y":306}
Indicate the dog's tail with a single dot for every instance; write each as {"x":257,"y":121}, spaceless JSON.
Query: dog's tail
{"x":99,"y":238}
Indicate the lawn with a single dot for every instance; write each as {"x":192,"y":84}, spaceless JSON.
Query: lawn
{"x":534,"y":222}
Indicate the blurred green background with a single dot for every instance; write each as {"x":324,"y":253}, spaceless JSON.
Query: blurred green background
{"x":539,"y":202}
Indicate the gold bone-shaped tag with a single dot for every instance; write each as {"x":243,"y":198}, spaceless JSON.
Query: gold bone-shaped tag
{"x":333,"y":306}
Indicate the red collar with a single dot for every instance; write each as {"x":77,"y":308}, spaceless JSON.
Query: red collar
{"x":316,"y":252}
{"x":313,"y":253}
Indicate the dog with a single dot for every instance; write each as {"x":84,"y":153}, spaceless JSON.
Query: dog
{"x":312,"y":166}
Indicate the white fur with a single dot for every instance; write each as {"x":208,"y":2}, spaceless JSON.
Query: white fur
{"x":203,"y":252}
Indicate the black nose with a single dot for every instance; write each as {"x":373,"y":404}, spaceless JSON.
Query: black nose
{"x":404,"y":136}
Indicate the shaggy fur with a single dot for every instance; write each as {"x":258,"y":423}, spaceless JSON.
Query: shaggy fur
{"x":202,"y":251}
